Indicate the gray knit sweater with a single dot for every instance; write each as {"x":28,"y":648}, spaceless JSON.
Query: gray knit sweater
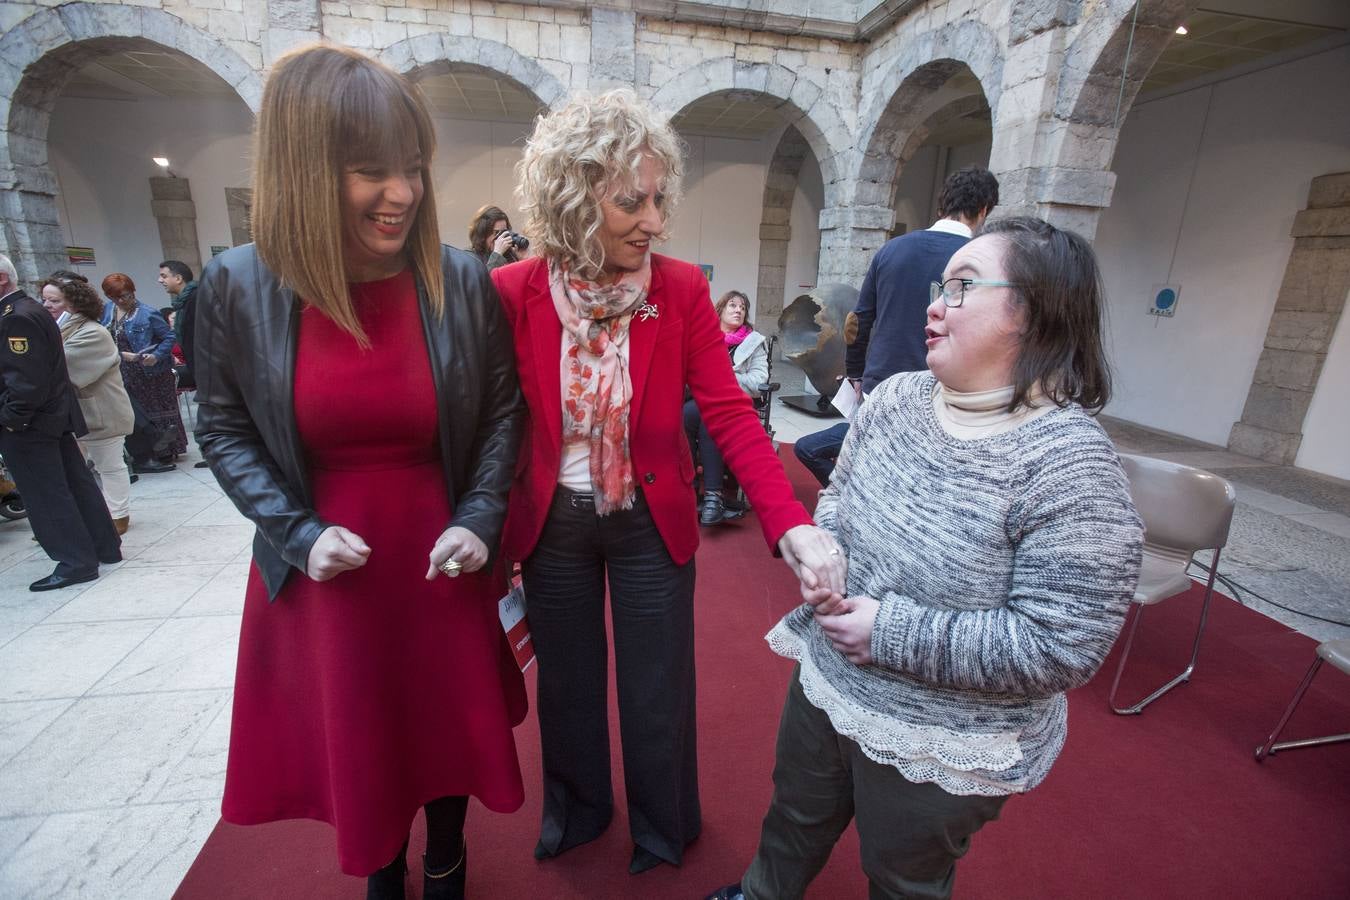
{"x":1003,"y":566}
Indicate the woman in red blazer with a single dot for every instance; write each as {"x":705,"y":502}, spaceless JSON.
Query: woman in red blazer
{"x":607,"y":334}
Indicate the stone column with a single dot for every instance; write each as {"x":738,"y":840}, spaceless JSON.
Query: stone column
{"x":176,"y":214}
{"x":849,"y":237}
{"x":290,"y":23}
{"x":771,"y":285}
{"x":30,"y":232}
{"x":1312,"y":296}
{"x":613,"y":48}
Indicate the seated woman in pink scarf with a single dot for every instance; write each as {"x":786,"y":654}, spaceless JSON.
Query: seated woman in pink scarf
{"x":749,"y":353}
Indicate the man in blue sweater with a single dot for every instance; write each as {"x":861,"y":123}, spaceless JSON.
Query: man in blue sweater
{"x":892,"y":307}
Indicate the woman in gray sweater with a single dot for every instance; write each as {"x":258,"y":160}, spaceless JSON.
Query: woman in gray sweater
{"x":992,"y":553}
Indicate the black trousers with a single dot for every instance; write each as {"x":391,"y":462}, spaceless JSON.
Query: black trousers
{"x":65,"y":507}
{"x":653,"y":615}
{"x":910,"y":835}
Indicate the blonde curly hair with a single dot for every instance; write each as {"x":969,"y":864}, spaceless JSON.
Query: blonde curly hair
{"x":588,"y":150}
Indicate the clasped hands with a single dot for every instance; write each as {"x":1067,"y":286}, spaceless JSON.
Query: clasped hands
{"x":340,"y":550}
{"x":821,"y":567}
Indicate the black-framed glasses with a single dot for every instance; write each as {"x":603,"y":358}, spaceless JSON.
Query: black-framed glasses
{"x":953,"y":290}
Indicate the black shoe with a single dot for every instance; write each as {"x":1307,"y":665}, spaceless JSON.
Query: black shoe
{"x":134,"y":478}
{"x":54,"y":582}
{"x":388,"y":882}
{"x":447,"y":883}
{"x":115,"y":557}
{"x":713,"y":511}
{"x":730,"y":892}
{"x":152,"y":468}
{"x":643,"y":859}
{"x":200,"y":464}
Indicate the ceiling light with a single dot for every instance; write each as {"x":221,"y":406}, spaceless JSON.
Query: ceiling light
{"x":161,"y":161}
{"x":1182,"y":30}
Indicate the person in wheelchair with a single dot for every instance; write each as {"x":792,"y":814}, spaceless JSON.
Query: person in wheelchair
{"x":749,"y":353}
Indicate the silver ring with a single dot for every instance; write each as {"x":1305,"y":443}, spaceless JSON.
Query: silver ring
{"x":834,"y":552}
{"x":451,"y":567}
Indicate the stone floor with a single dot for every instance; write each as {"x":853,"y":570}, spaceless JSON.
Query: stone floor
{"x":115,"y":696}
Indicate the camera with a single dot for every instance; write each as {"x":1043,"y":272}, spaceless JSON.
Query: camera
{"x":518,"y":241}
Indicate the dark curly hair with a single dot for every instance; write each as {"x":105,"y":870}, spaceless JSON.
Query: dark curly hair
{"x":968,"y":192}
{"x":79,"y":296}
{"x":1059,"y":288}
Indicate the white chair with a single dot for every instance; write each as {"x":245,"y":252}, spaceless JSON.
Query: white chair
{"x":1338,"y":654}
{"x":1184,"y":510}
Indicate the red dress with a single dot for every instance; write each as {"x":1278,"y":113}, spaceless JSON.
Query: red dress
{"x":361,"y":698}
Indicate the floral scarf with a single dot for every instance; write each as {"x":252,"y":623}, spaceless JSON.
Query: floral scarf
{"x":596,"y":386}
{"x":737,"y":337}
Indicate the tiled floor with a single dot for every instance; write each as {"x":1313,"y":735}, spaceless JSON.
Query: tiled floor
{"x":115,"y":696}
{"x":115,"y":699}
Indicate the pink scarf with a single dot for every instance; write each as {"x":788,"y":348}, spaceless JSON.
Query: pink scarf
{"x":735,"y":338}
{"x":596,"y":386}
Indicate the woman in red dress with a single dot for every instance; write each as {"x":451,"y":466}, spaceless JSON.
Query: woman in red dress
{"x":358,"y":402}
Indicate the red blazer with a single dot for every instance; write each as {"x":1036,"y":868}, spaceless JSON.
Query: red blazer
{"x":681,"y":345}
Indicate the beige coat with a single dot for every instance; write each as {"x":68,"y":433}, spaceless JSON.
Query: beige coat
{"x":96,"y":373}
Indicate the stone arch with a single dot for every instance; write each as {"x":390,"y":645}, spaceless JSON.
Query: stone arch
{"x":1069,"y":180}
{"x":433,"y":54}
{"x":797,"y":98}
{"x":775,"y":229}
{"x":42,"y":52}
{"x":901,"y":101}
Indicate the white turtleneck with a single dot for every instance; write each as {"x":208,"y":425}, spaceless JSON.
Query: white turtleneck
{"x":982,"y":414}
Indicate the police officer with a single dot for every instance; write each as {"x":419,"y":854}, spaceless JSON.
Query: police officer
{"x":39,"y":420}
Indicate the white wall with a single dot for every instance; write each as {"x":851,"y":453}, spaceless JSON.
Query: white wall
{"x":717,"y":221}
{"x":475,"y":165}
{"x":1208,"y":182}
{"x":803,"y":261}
{"x":100,"y":151}
{"x":1326,"y":430}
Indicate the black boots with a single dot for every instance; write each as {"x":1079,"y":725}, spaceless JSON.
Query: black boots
{"x":448,"y":883}
{"x":713,"y":511}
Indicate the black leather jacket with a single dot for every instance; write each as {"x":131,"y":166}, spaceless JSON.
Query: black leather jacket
{"x":247,"y":324}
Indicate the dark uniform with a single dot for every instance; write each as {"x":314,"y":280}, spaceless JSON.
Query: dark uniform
{"x":40,"y":415}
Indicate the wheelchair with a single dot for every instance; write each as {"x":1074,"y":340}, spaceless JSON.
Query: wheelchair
{"x":734,"y":501}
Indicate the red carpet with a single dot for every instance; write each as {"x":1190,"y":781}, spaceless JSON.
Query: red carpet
{"x":1167,"y":804}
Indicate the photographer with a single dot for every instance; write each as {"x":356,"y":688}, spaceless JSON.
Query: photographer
{"x":491,"y":237}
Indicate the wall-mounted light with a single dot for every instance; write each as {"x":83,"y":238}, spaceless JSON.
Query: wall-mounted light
{"x":1182,"y":30}
{"x":161,"y":161}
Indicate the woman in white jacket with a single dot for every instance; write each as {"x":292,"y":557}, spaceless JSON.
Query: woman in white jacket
{"x":749,"y":353}
{"x":95,"y":371}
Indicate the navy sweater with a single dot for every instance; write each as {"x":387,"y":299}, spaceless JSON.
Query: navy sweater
{"x":892,"y":307}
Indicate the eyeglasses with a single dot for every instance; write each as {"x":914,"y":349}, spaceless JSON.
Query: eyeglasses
{"x":953,"y":290}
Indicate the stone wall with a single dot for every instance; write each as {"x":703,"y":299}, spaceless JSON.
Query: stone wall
{"x":1043,"y":67}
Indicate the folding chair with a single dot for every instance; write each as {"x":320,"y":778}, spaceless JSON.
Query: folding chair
{"x":1184,"y":510}
{"x":1338,"y":654}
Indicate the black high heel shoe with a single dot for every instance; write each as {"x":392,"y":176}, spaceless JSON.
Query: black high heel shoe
{"x":389,"y":882}
{"x":447,"y":883}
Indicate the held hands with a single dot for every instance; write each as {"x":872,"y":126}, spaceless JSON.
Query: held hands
{"x":502,"y":244}
{"x":850,"y":628}
{"x":336,"y":551}
{"x":815,"y":557}
{"x":461,"y":545}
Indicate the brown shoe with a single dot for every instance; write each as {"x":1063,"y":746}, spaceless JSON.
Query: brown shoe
{"x":122,"y":524}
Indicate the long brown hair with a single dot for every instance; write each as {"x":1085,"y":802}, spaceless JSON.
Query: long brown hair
{"x":480,"y":226}
{"x":1059,"y":288}
{"x":323,"y":108}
